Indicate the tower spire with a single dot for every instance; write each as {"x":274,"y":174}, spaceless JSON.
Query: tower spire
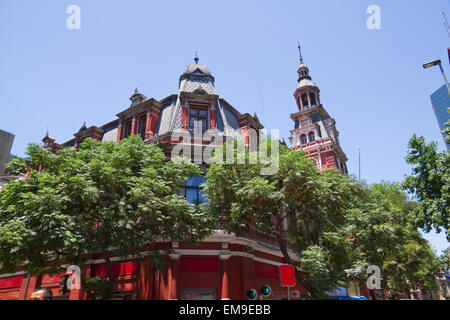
{"x":196,"y":58}
{"x":300,"y":51}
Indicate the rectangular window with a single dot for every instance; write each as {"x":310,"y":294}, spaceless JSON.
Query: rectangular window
{"x":305,"y":100}
{"x":126,"y":130}
{"x":312,"y":98}
{"x":200,"y":115}
{"x":142,"y":123}
{"x":193,"y":192}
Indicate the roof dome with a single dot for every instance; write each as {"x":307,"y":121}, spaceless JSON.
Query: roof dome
{"x":304,"y":79}
{"x":192,"y":68}
{"x":197,"y":78}
{"x":305,"y":83}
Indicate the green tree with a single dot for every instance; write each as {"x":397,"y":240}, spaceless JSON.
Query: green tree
{"x":302,"y":209}
{"x":445,"y":259}
{"x":430,"y":183}
{"x":105,"y":198}
{"x":446,"y":131}
{"x":384,"y":235}
{"x":414,"y":266}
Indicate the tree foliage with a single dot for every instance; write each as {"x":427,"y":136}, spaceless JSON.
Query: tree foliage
{"x":105,"y":198}
{"x":430,"y":183}
{"x":445,"y":259}
{"x":446,"y":131}
{"x":384,"y":235}
{"x":302,"y":209}
{"x":326,"y":221}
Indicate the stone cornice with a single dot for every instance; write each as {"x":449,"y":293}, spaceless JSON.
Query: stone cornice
{"x":144,"y":106}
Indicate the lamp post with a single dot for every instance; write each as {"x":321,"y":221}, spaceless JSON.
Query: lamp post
{"x":438,"y":63}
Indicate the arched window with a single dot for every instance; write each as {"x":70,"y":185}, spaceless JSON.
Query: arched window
{"x":200,"y":92}
{"x":193,"y":191}
{"x":312,"y":98}
{"x":319,"y":132}
{"x":303,"y":139}
{"x":304,"y":98}
{"x":311,"y":137}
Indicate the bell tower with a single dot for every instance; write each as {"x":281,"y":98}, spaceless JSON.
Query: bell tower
{"x":314,"y":130}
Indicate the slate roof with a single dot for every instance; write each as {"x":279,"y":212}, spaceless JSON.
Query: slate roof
{"x":194,"y":77}
{"x":197,"y":77}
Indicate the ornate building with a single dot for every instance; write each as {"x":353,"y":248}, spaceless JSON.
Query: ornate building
{"x":314,"y":130}
{"x":222,"y":266}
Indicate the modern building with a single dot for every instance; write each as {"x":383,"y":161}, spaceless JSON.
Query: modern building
{"x":440,"y":101}
{"x":223,"y":266}
{"x":6,"y":142}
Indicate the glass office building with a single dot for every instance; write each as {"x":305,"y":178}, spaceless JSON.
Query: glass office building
{"x":440,"y":101}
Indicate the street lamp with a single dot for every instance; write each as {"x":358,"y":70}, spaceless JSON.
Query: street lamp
{"x":438,"y":63}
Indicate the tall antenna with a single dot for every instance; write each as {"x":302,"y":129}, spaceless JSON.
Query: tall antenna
{"x":447,"y":27}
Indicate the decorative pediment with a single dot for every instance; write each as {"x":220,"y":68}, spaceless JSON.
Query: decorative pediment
{"x":198,"y":71}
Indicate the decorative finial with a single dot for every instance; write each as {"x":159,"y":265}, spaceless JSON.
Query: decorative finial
{"x":300,"y":51}
{"x":136,"y":90}
{"x":196,"y":58}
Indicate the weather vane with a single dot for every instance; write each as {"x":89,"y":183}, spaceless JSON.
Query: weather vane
{"x":300,"y":51}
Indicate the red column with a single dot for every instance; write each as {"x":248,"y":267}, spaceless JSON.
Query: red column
{"x":133,"y":126}
{"x":145,"y":281}
{"x":244,"y":133}
{"x":213,"y":116}
{"x":225,"y":293}
{"x":79,"y":294}
{"x":86,"y":272}
{"x":244,"y":126}
{"x":174,"y":277}
{"x":119,"y":132}
{"x":148,"y":130}
{"x":31,"y":286}
{"x":185,"y":116}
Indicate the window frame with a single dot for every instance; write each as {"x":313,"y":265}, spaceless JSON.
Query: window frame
{"x":198,"y":117}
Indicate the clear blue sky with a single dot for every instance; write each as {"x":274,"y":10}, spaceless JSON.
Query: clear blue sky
{"x":372,"y":82}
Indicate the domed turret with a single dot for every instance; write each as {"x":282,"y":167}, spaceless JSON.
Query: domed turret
{"x":137,"y":98}
{"x":307,"y":93}
{"x":197,"y":78}
{"x":314,"y":130}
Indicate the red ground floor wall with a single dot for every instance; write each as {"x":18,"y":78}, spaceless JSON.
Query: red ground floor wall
{"x":222,"y":276}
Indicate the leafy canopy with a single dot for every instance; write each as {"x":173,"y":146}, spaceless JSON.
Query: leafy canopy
{"x":430,"y":183}
{"x":104,"y":198}
{"x":302,"y":209}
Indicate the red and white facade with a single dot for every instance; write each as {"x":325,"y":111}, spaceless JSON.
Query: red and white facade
{"x":222,"y":266}
{"x":315,"y":131}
